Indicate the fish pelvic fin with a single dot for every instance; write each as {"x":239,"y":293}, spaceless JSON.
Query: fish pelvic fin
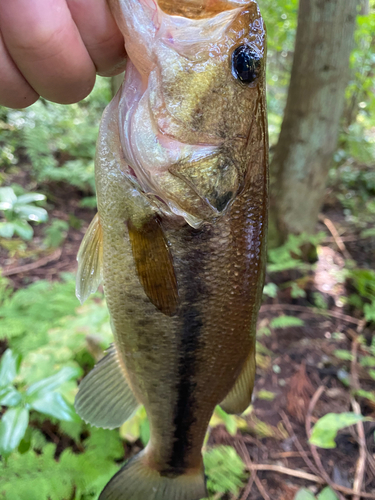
{"x":239,"y":397}
{"x":104,"y":398}
{"x":90,"y":261}
{"x":138,"y":481}
{"x":154,"y":264}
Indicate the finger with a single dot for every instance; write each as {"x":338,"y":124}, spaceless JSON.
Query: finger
{"x":45,"y":45}
{"x":102,"y":38}
{"x":15,"y":92}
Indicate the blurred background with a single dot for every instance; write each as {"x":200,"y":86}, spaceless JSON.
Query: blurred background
{"x":309,"y":433}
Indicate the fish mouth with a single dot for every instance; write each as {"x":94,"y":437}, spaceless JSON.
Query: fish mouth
{"x":196,"y":9}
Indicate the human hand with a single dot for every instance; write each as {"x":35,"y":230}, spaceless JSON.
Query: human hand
{"x":54,"y":48}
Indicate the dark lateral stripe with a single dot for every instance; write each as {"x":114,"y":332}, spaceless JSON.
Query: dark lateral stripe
{"x":190,"y":341}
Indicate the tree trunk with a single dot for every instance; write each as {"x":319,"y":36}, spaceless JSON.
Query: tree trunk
{"x":314,"y":106}
{"x":365,"y":7}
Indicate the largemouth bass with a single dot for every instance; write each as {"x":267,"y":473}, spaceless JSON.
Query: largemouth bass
{"x":179,"y":238}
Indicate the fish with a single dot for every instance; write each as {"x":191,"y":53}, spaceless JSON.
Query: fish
{"x":179,"y":240}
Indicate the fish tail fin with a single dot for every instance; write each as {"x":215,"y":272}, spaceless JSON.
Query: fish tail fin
{"x":138,"y":481}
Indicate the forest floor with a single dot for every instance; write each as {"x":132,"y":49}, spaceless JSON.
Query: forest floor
{"x":297,"y":367}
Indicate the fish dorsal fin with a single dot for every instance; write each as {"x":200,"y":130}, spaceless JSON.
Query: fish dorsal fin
{"x":154,"y":264}
{"x":239,"y":397}
{"x":104,"y":397}
{"x":90,"y":261}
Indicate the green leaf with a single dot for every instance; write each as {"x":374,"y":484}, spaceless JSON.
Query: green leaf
{"x":343,"y":354}
{"x":367,"y":361}
{"x":270,"y":289}
{"x":24,"y":199}
{"x":50,"y":384}
{"x":5,"y":205}
{"x":327,"y":494}
{"x":13,"y":426}
{"x":369,"y":310}
{"x":54,"y":405}
{"x":9,"y":396}
{"x":327,"y":427}
{"x":304,"y":494}
{"x":30,"y":212}
{"x":266,"y":395}
{"x":286,"y":322}
{"x":9,"y":367}
{"x":366,"y":394}
{"x":23,"y":229}
{"x":7,"y":195}
{"x":224,"y":469}
{"x":6,"y":229}
{"x":230,"y":421}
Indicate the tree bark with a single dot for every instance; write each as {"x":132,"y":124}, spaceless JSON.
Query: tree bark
{"x":309,"y":131}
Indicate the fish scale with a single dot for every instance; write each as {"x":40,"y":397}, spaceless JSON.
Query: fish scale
{"x":179,"y":239}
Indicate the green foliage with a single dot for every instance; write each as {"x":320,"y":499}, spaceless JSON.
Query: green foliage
{"x":25,"y":474}
{"x":270,"y":289}
{"x":225,"y":470}
{"x":56,"y":338}
{"x":40,"y":396}
{"x":28,"y":314}
{"x":59,"y":140}
{"x":286,"y":322}
{"x":364,"y":282}
{"x":325,"y":430}
{"x":326,"y":494}
{"x":289,"y":255}
{"x":13,"y":426}
{"x":45,"y":324}
{"x":360,"y":93}
{"x":136,"y":427}
{"x":56,"y":233}
{"x":266,"y":395}
{"x":304,"y":494}
{"x":17,"y":211}
{"x":281,"y":23}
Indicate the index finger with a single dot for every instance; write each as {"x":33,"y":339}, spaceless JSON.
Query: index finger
{"x":45,"y":44}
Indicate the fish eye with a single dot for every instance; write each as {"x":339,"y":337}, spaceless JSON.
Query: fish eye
{"x":246,"y":64}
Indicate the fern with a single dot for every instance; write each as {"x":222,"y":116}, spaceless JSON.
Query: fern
{"x":87,"y":328}
{"x":40,"y":477}
{"x":288,"y":256}
{"x":225,"y":470}
{"x":60,"y":140}
{"x":28,"y":314}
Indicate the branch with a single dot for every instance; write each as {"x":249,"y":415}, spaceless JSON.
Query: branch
{"x":307,"y":476}
{"x":9,"y":271}
{"x":311,"y":310}
{"x":332,"y":229}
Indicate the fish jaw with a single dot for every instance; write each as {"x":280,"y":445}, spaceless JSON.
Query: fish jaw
{"x":180,"y":103}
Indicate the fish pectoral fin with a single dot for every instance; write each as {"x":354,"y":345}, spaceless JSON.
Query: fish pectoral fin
{"x":239,"y":397}
{"x":90,"y":261}
{"x":138,"y":481}
{"x":154,"y":264}
{"x":104,"y":397}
